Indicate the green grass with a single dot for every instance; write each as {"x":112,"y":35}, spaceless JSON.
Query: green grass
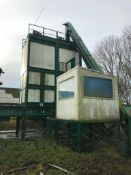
{"x":105,"y":160}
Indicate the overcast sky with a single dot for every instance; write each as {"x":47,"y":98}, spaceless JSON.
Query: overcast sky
{"x":93,"y":19}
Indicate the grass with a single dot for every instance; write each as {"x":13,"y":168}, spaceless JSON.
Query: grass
{"x":105,"y":160}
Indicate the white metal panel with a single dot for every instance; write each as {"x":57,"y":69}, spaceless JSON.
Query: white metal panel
{"x":36,"y":52}
{"x":62,"y":67}
{"x":34,"y":78}
{"x":48,"y":57}
{"x":23,"y":96}
{"x":99,"y":110}
{"x":20,"y":96}
{"x":49,"y":96}
{"x":66,"y":55}
{"x":23,"y":80}
{"x":49,"y":79}
{"x":7,"y":98}
{"x":2,"y":92}
{"x":24,"y":58}
{"x":68,"y":108}
{"x":33,"y":95}
{"x":42,"y":56}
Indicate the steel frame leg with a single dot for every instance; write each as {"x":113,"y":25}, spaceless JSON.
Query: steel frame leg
{"x":57,"y":131}
{"x":17,"y":126}
{"x":23,"y":128}
{"x":79,"y":135}
{"x":129,"y":132}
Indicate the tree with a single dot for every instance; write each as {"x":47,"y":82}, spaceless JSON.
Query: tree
{"x":113,"y":54}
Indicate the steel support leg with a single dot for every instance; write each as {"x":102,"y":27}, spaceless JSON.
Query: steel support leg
{"x":79,"y":135}
{"x":68,"y":133}
{"x":44,"y":126}
{"x":119,"y":132}
{"x":129,"y":132}
{"x":17,"y":126}
{"x":90,"y":134}
{"x":57,"y":131}
{"x":23,"y":128}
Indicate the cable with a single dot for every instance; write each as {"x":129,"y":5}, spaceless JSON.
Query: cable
{"x":39,"y":15}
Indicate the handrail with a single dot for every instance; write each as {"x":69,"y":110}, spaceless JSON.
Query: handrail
{"x":45,"y":31}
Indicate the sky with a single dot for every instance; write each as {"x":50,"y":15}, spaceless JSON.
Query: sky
{"x":93,"y":20}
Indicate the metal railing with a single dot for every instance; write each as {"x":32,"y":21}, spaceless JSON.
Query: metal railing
{"x":43,"y":31}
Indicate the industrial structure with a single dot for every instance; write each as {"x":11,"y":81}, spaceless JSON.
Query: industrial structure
{"x":75,"y":103}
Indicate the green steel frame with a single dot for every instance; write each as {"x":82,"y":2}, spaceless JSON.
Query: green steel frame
{"x":125,"y":114}
{"x":82,"y":136}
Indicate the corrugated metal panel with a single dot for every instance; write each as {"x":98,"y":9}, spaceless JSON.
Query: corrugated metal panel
{"x":42,"y":56}
{"x":33,"y":95}
{"x":24,"y":58}
{"x":8,"y":97}
{"x":49,"y":79}
{"x":49,"y":96}
{"x":66,"y":55}
{"x":23,"y":80}
{"x":34,"y":78}
{"x":22,"y":96}
{"x":2,"y":91}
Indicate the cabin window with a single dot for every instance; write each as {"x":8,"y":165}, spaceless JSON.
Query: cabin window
{"x":67,"y":89}
{"x":98,"y":87}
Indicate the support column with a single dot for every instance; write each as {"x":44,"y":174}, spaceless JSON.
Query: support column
{"x":57,"y":131}
{"x":119,"y":132}
{"x":68,"y":133}
{"x":90,"y":134}
{"x":17,"y":126}
{"x":44,"y":126}
{"x":23,"y":128}
{"x":129,"y":132}
{"x":79,"y":136}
